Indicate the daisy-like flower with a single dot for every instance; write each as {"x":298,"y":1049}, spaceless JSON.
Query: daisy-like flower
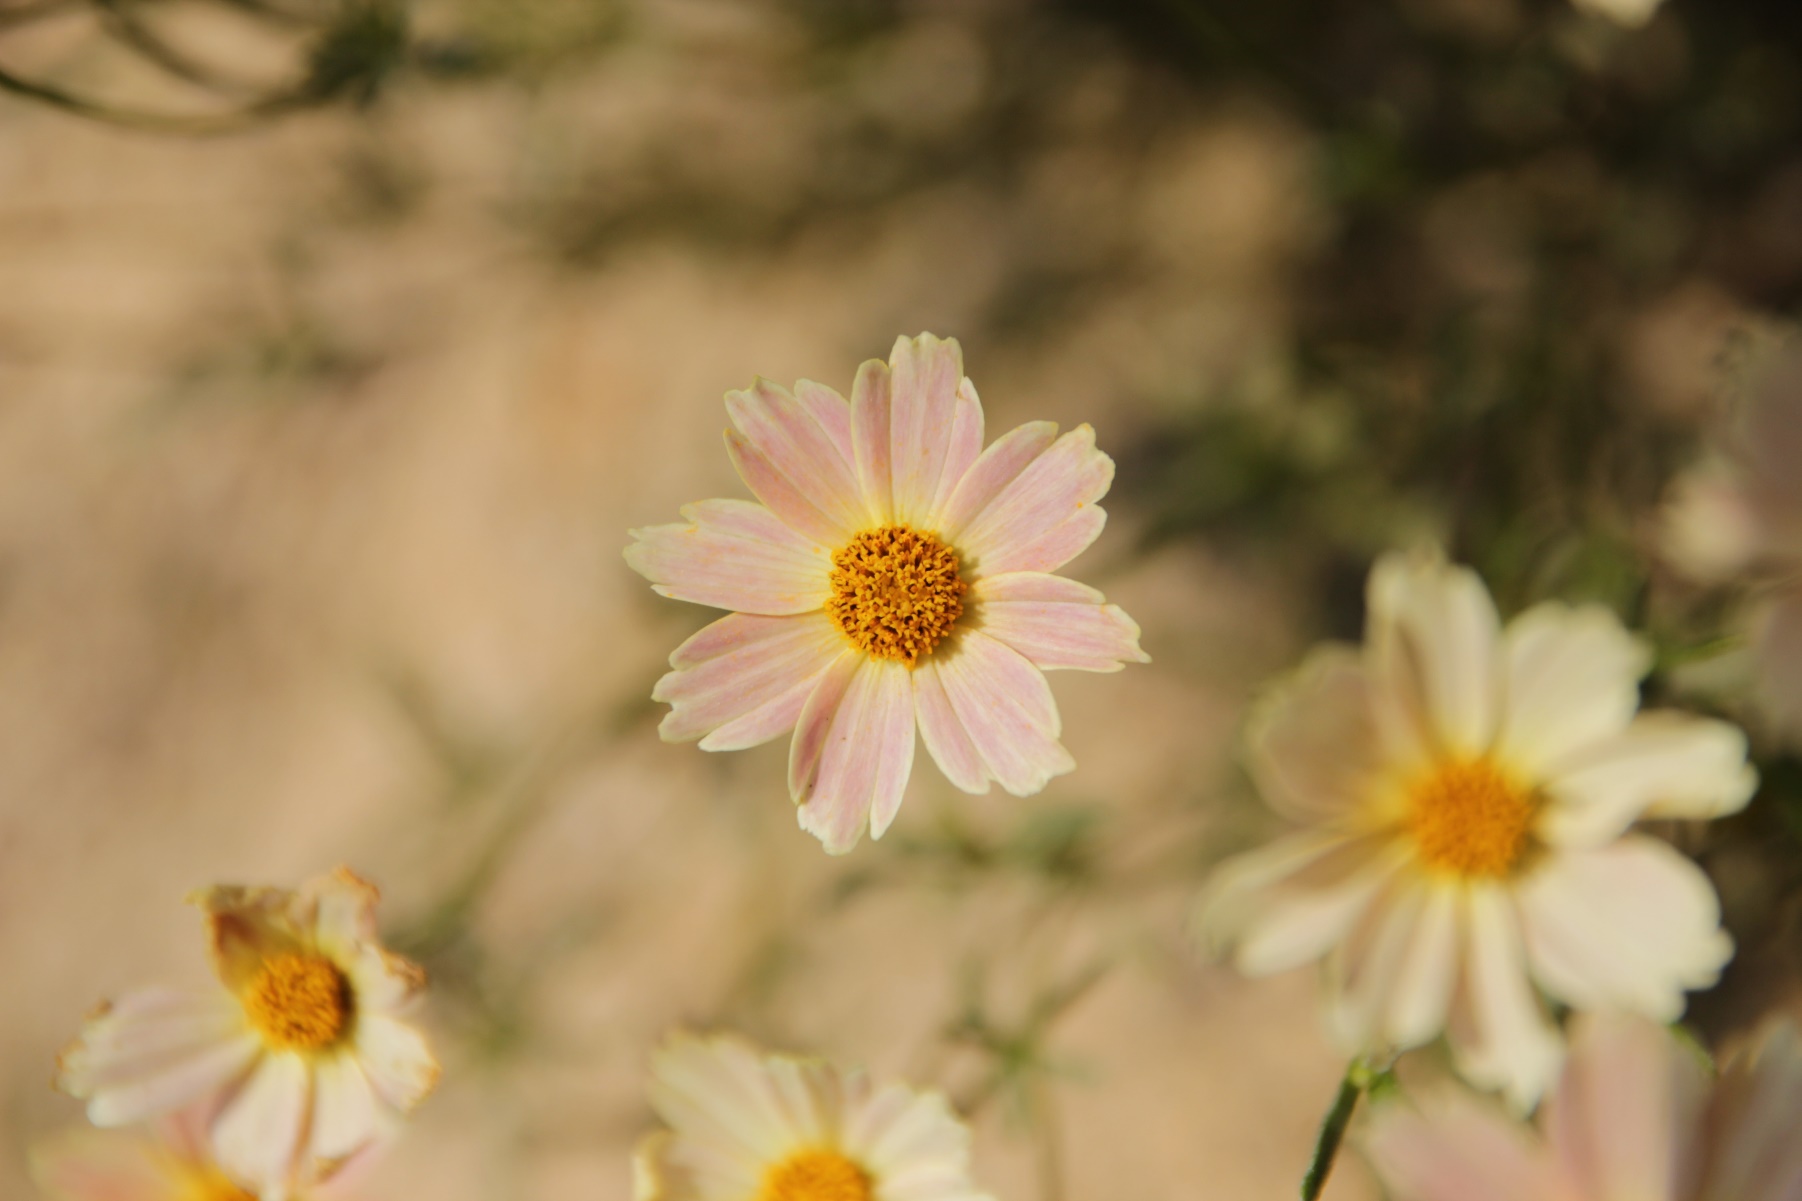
{"x":745,"y":1126}
{"x":301,"y":1056}
{"x":1466,"y":795}
{"x":1635,"y":1117}
{"x":895,"y":574}
{"x":170,"y":1163}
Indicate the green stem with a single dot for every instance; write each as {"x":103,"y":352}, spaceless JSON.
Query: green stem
{"x":1332,"y":1129}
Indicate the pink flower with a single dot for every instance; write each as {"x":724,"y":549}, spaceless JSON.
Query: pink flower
{"x":895,"y":574}
{"x":1634,"y":1118}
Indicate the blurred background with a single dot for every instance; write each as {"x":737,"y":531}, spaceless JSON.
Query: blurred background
{"x":340,"y":343}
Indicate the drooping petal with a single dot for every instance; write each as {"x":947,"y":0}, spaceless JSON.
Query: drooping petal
{"x":993,"y":470}
{"x":153,"y":1051}
{"x":963,"y":448}
{"x":1572,"y":678}
{"x":1662,"y":765}
{"x":1005,"y":706}
{"x":1756,"y":1153}
{"x":1293,"y":900}
{"x":1624,"y":1118}
{"x":1434,"y":640}
{"x":396,"y":1059}
{"x":870,"y":405}
{"x":864,"y":760}
{"x":943,"y":732}
{"x":742,"y":680}
{"x":732,"y":554}
{"x":1499,"y":1034}
{"x":1455,"y":1148}
{"x":1312,"y":742}
{"x":1046,"y":515}
{"x":791,"y":439}
{"x":257,"y":1137}
{"x":1632,"y":924}
{"x":925,"y":373}
{"x":1057,"y":622}
{"x":345,"y":1116}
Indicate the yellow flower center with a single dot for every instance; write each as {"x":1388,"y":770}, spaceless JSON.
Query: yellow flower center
{"x":1469,"y":818}
{"x":299,"y":1002}
{"x":816,"y":1176}
{"x":896,"y":592}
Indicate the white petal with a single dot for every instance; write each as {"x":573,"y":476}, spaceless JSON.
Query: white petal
{"x":1435,"y":640}
{"x":1662,"y":765}
{"x":715,"y":1093}
{"x":257,"y":1136}
{"x":1572,"y":678}
{"x":1499,"y":1034}
{"x":1312,"y":742}
{"x":153,"y":1051}
{"x":345,"y":1118}
{"x":396,"y":1059}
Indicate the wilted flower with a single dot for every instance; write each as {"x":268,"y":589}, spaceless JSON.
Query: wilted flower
{"x":1634,"y":1116}
{"x":896,"y":573}
{"x":745,"y":1126}
{"x":302,"y":1055}
{"x":1467,"y":793}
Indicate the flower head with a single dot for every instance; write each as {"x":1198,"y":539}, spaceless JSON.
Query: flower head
{"x":895,"y":575}
{"x":1466,"y":795}
{"x":1634,"y":1115}
{"x":301,"y":1059}
{"x":745,"y":1126}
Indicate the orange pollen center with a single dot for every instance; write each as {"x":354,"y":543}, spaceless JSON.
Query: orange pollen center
{"x":896,"y":592}
{"x":1469,"y":818}
{"x":816,"y":1176}
{"x":299,"y":1002}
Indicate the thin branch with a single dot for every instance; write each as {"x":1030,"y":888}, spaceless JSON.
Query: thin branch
{"x":120,"y":18}
{"x":199,"y":124}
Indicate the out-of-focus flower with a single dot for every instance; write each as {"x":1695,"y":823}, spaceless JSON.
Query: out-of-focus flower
{"x":302,"y":1057}
{"x":170,"y":1164}
{"x":1631,"y":13}
{"x":1634,"y":1116}
{"x":1467,"y":793}
{"x":745,"y":1126}
{"x":895,"y":574}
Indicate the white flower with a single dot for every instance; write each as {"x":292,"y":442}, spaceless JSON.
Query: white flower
{"x":745,"y":1126}
{"x":301,"y":1055}
{"x":1634,"y":1117}
{"x":1466,"y":795}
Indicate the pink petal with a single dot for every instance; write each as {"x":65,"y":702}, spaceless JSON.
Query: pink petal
{"x":743,"y":679}
{"x":1632,"y":924}
{"x":1756,"y":1153}
{"x":1625,"y":1115}
{"x":943,"y":732}
{"x":733,"y":554}
{"x":870,"y":438}
{"x":864,"y":759}
{"x":154,"y":1051}
{"x":1005,"y":705}
{"x":1499,"y":1033}
{"x":964,"y":447}
{"x":1311,"y":741}
{"x":833,"y":412}
{"x":993,"y":470}
{"x":1457,"y":1149}
{"x":1057,"y":623}
{"x":767,"y":481}
{"x":787,"y":435}
{"x":1046,"y":515}
{"x":257,"y":1138}
{"x":925,"y":374}
{"x":397,"y":1061}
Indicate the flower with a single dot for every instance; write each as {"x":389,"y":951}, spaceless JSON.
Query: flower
{"x":1466,"y":794}
{"x":745,"y":1126}
{"x":1630,"y":13}
{"x":169,"y":1164}
{"x":895,"y":574}
{"x":301,"y":1058}
{"x":1634,"y":1116}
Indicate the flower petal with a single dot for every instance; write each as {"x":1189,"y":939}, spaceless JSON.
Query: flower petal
{"x":1005,"y":706}
{"x":833,"y":412}
{"x":925,"y":373}
{"x":1057,"y":623}
{"x":1572,"y":677}
{"x":345,"y":1117}
{"x":247,"y":925}
{"x":1312,"y":742}
{"x":963,"y":448}
{"x":792,"y":441}
{"x":870,"y":404}
{"x":1625,"y":1116}
{"x":257,"y":1137}
{"x":1392,"y":976}
{"x":1630,"y":925}
{"x":1499,"y":1034}
{"x":1456,"y":1149}
{"x":742,"y":680}
{"x":1662,"y":765}
{"x":656,"y":1177}
{"x":864,"y":760}
{"x":1046,"y":515}
{"x":943,"y":731}
{"x":993,"y":470}
{"x":1434,"y":640}
{"x":715,"y":1094}
{"x":396,"y":1059}
{"x":733,"y":554}
{"x":912,"y":1142}
{"x":154,"y":1051}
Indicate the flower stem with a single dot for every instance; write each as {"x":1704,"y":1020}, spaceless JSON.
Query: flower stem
{"x":1332,"y":1129}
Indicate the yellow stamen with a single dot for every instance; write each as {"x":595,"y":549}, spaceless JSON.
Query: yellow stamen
{"x":896,"y":592}
{"x":816,"y":1176}
{"x":1469,"y":818}
{"x":299,"y":1002}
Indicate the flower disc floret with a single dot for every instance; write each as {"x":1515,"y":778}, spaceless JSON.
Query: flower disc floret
{"x":896,"y":592}
{"x":299,"y":1002}
{"x":1470,"y":818}
{"x":816,"y":1175}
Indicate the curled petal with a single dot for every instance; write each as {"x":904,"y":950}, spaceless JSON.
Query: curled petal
{"x":1057,"y":623}
{"x":733,"y":554}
